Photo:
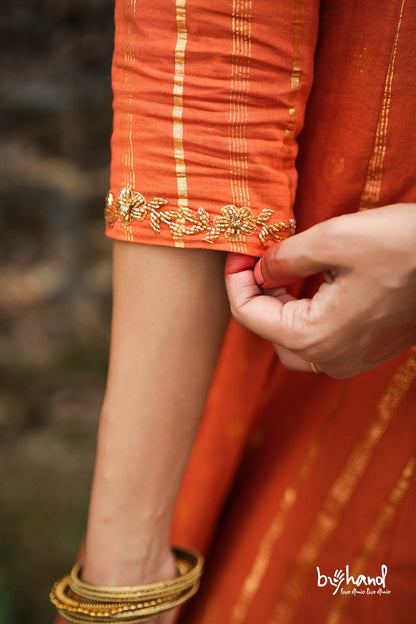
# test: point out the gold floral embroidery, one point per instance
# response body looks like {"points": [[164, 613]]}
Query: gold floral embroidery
{"points": [[233, 223]]}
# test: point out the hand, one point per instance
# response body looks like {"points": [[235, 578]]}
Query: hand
{"points": [[363, 315]]}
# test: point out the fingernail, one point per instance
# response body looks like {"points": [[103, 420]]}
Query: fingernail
{"points": [[258, 275]]}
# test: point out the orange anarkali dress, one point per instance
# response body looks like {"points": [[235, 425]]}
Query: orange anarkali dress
{"points": [[213, 102]]}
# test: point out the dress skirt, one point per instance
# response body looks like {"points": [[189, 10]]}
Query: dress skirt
{"points": [[235, 122]]}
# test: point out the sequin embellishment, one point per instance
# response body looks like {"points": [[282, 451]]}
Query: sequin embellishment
{"points": [[233, 222]]}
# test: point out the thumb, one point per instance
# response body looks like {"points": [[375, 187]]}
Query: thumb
{"points": [[296, 257]]}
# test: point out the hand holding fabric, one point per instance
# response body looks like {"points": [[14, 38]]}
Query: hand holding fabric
{"points": [[362, 315]]}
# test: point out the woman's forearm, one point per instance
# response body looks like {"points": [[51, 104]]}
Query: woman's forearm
{"points": [[170, 313]]}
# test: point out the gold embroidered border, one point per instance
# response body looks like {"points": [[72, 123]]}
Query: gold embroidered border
{"points": [[233, 223]]}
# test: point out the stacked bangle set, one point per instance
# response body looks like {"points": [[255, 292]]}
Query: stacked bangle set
{"points": [[71, 595]]}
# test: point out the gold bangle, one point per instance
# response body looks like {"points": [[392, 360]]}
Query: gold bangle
{"points": [[61, 599], [127, 603], [129, 614], [104, 593]]}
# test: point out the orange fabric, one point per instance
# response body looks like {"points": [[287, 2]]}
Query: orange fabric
{"points": [[290, 470], [208, 101]]}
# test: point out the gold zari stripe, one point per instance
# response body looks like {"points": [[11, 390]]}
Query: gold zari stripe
{"points": [[382, 521], [267, 545], [241, 18], [289, 136], [371, 193], [233, 223], [342, 489], [177, 113], [240, 82]]}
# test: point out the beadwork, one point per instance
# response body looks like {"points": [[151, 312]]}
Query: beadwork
{"points": [[233, 223]]}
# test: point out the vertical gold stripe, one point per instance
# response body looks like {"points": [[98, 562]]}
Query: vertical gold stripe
{"points": [[294, 88], [177, 114], [264, 554], [342, 489], [127, 89], [371, 193], [130, 58], [261, 562], [240, 81], [383, 519]]}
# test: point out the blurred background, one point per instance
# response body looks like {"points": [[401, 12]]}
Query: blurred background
{"points": [[55, 286]]}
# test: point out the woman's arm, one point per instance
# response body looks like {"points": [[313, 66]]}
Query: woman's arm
{"points": [[170, 312]]}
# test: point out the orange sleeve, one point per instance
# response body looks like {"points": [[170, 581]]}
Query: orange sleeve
{"points": [[209, 98]]}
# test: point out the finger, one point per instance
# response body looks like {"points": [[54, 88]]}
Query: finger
{"points": [[239, 276], [249, 305], [299, 256], [292, 361], [280, 293], [278, 319], [236, 262]]}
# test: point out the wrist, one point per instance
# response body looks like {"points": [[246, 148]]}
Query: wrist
{"points": [[152, 565]]}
